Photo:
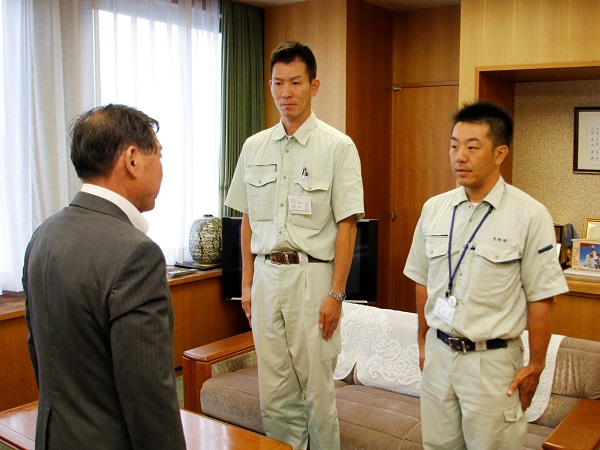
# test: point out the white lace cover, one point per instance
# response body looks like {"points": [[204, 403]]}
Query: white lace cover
{"points": [[544, 389], [382, 343]]}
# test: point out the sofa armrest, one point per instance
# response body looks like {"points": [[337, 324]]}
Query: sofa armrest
{"points": [[579, 430], [198, 362]]}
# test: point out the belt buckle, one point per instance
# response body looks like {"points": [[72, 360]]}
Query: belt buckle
{"points": [[284, 258], [277, 258], [459, 348]]}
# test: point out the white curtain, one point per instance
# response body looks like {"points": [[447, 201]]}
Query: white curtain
{"points": [[59, 58]]}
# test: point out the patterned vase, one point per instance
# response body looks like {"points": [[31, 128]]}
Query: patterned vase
{"points": [[205, 240]]}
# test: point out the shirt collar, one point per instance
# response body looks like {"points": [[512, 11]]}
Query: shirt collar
{"points": [[302, 134], [493, 197], [136, 218]]}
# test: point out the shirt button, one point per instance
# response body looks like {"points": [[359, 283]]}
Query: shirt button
{"points": [[287, 150], [280, 232], [284, 177], [281, 204]]}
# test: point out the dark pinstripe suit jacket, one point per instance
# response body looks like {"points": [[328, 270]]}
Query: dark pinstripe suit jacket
{"points": [[100, 321]]}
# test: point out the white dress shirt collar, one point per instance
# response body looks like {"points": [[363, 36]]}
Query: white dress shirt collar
{"points": [[132, 212]]}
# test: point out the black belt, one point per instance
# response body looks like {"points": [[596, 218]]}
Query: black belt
{"points": [[290, 258], [464, 345]]}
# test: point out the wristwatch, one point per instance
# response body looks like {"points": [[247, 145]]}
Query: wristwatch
{"points": [[339, 296]]}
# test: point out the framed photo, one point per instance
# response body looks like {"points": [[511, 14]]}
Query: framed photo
{"points": [[591, 228], [586, 254], [586, 153]]}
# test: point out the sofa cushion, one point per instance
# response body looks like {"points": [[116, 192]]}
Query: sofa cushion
{"points": [[372, 418], [233, 398], [536, 435], [577, 375]]}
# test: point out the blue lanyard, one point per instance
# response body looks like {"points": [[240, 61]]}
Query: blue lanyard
{"points": [[451, 274]]}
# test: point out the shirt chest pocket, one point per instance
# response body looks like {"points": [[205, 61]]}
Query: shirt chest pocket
{"points": [[261, 190], [436, 247], [497, 265], [319, 193]]}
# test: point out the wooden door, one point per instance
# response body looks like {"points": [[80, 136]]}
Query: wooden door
{"points": [[421, 141]]}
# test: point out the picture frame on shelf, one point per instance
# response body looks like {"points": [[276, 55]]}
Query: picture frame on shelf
{"points": [[586, 255], [591, 228], [586, 136]]}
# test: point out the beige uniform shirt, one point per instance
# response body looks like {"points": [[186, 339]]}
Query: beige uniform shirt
{"points": [[318, 165], [511, 260]]}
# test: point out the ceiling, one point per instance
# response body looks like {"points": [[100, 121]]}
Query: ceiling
{"points": [[394, 5]]}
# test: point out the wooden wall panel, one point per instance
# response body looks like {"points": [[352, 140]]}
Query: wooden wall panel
{"points": [[426, 45], [422, 130], [426, 66], [320, 24], [509, 32], [369, 116]]}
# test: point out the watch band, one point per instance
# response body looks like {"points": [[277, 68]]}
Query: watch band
{"points": [[339, 296]]}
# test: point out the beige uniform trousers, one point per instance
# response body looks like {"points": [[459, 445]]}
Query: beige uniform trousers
{"points": [[295, 363], [464, 404]]}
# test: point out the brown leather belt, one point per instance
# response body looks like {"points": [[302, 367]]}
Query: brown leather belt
{"points": [[290, 258]]}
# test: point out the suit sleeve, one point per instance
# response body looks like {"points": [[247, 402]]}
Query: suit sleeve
{"points": [[30, 341], [141, 336]]}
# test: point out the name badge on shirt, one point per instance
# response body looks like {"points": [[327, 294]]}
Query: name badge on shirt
{"points": [[444, 310], [299, 205]]}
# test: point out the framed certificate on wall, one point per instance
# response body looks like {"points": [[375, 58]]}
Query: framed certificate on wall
{"points": [[586, 152]]}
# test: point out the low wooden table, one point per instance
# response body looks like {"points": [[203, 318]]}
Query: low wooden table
{"points": [[17, 430]]}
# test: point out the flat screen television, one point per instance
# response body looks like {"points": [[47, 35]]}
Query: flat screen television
{"points": [[362, 281]]}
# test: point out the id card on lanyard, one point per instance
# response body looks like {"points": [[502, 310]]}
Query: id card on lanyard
{"points": [[445, 306]]}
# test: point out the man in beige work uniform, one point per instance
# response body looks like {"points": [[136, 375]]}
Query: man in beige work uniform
{"points": [[485, 263], [299, 188]]}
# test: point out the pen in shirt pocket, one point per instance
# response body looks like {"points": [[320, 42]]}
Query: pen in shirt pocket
{"points": [[303, 174]]}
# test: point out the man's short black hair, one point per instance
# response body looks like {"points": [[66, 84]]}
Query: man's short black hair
{"points": [[289, 51], [100, 135], [499, 121]]}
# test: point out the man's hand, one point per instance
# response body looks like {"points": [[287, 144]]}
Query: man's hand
{"points": [[526, 380], [421, 354], [247, 305], [539, 316], [329, 316], [421, 299]]}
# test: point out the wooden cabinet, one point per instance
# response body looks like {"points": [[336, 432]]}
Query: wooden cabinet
{"points": [[577, 313], [17, 381], [201, 314]]}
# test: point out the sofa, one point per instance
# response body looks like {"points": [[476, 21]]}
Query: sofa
{"points": [[377, 384]]}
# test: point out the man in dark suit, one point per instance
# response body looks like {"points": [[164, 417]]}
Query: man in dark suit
{"points": [[98, 307]]}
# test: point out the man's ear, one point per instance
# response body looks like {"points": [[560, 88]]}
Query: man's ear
{"points": [[501, 153], [130, 160], [314, 87]]}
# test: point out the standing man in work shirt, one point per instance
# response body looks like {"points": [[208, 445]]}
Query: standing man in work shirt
{"points": [[299, 188], [484, 260]]}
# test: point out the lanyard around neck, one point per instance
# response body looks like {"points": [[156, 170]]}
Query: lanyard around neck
{"points": [[451, 274]]}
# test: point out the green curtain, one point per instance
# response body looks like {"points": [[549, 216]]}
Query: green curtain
{"points": [[242, 86]]}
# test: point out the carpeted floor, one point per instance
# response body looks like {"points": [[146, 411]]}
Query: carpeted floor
{"points": [[179, 396]]}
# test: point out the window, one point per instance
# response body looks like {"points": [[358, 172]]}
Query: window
{"points": [[59, 58], [164, 59]]}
